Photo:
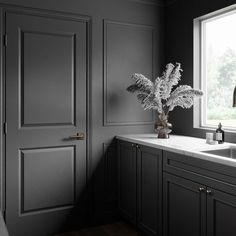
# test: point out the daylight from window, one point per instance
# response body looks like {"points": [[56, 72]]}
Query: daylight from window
{"points": [[219, 70]]}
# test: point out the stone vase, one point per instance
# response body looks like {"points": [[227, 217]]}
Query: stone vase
{"points": [[163, 127]]}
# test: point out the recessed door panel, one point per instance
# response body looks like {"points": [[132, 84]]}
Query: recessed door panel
{"points": [[47, 78], [149, 186], [47, 178], [221, 213], [127, 181], [184, 211]]}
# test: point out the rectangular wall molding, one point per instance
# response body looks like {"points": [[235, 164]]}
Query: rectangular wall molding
{"points": [[127, 49]]}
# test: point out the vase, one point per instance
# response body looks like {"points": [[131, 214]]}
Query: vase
{"points": [[163, 127]]}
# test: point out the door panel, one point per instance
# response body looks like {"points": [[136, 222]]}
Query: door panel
{"points": [[149, 187], [47, 64], [37, 192], [221, 214], [184, 207], [45, 105], [127, 180]]}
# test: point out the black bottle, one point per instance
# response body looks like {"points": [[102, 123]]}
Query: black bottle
{"points": [[220, 134]]}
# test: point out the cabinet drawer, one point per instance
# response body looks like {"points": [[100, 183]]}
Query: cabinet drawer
{"points": [[213, 174]]}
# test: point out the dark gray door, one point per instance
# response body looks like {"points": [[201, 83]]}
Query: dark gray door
{"points": [[127, 180], [45, 105], [149, 189], [184, 211], [221, 213]]}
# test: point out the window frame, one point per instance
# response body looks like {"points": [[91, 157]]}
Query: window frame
{"points": [[199, 116]]}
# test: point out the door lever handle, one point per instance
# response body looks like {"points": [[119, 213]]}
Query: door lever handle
{"points": [[78, 136]]}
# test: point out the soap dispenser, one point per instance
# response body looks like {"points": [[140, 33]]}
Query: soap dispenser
{"points": [[220, 134]]}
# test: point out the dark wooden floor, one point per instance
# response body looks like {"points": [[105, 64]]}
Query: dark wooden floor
{"points": [[115, 229]]}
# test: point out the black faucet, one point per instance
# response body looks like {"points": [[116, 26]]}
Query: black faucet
{"points": [[234, 97]]}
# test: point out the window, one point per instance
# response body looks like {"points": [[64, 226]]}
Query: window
{"points": [[215, 68]]}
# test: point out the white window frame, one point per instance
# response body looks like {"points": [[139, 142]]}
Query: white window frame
{"points": [[198, 67]]}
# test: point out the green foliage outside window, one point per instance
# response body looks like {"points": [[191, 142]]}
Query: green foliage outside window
{"points": [[221, 80]]}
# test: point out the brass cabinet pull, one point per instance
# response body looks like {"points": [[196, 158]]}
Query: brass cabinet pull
{"points": [[209, 192], [78, 136], [201, 189]]}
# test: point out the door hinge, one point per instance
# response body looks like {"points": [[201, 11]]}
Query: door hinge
{"points": [[5, 40], [5, 128]]}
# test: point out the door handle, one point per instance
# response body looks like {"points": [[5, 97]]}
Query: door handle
{"points": [[78, 136]]}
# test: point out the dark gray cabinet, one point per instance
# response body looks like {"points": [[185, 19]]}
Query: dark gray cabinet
{"points": [[140, 183], [195, 204], [184, 207], [149, 184], [186, 195], [127, 180], [221, 213]]}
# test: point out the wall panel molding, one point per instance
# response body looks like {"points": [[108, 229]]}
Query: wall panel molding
{"points": [[139, 29]]}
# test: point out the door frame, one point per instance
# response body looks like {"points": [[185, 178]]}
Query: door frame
{"points": [[8, 8]]}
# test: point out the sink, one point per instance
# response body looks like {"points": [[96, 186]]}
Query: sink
{"points": [[229, 152]]}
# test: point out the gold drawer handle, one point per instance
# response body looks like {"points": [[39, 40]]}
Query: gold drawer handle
{"points": [[202, 189]]}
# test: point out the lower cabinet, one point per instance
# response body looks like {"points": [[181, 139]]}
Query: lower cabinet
{"points": [[221, 213], [149, 184], [184, 206], [127, 199], [168, 194], [194, 209], [140, 184]]}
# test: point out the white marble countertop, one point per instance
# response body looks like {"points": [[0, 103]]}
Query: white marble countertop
{"points": [[185, 145]]}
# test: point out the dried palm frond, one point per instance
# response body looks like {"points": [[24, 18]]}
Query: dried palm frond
{"points": [[159, 95], [142, 84]]}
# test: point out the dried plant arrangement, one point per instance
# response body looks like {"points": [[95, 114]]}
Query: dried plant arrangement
{"points": [[164, 95]]}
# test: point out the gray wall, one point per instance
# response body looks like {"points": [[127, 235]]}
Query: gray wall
{"points": [[179, 48], [125, 38]]}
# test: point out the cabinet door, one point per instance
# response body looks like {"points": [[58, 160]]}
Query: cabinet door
{"points": [[221, 214], [127, 180], [184, 210], [148, 188]]}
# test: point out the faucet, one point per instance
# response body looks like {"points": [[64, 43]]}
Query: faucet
{"points": [[234, 97]]}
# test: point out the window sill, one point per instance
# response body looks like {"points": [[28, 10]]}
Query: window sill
{"points": [[210, 128]]}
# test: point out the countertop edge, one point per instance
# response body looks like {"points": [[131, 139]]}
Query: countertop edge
{"points": [[187, 152]]}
